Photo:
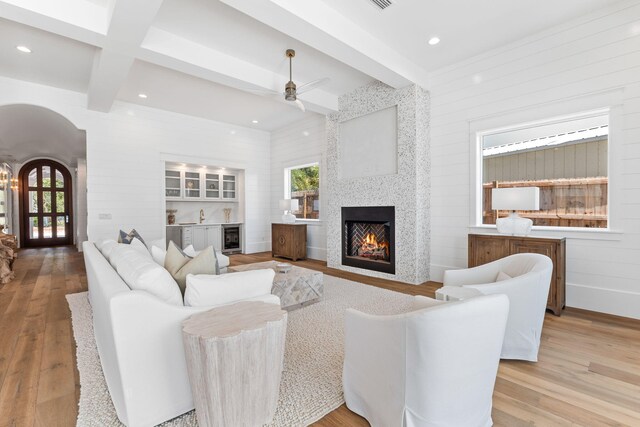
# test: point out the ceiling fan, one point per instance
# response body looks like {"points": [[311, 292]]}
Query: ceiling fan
{"points": [[291, 91]]}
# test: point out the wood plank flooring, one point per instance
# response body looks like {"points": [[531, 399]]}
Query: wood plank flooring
{"points": [[588, 373]]}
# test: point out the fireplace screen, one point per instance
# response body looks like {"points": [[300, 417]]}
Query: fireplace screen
{"points": [[368, 238]]}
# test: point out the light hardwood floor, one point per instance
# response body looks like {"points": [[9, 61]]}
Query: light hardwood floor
{"points": [[588, 373]]}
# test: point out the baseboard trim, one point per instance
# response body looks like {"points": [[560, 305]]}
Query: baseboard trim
{"points": [[437, 271], [319, 254], [609, 301], [257, 247]]}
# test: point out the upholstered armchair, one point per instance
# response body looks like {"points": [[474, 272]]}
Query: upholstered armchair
{"points": [[525, 279], [435, 366]]}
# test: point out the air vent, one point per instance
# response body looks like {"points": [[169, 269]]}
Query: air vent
{"points": [[381, 4]]}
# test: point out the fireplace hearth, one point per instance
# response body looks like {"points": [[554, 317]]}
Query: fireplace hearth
{"points": [[368, 238]]}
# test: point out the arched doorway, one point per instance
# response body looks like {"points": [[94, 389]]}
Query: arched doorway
{"points": [[45, 204]]}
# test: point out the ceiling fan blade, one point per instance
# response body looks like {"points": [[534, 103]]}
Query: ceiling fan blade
{"points": [[300, 105], [263, 91], [312, 85]]}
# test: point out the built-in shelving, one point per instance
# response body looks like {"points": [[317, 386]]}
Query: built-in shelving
{"points": [[194, 185]]}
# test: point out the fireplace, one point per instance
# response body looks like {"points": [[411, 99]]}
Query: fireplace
{"points": [[368, 238]]}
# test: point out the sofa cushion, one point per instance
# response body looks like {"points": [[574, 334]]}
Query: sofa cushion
{"points": [[211, 290], [140, 247], [160, 243], [179, 264], [119, 251], [106, 247], [140, 272]]}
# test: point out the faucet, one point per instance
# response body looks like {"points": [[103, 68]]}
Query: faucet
{"points": [[201, 216]]}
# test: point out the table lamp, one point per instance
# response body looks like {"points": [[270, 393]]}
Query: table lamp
{"points": [[515, 199], [288, 205]]}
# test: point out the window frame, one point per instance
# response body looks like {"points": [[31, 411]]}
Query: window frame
{"points": [[609, 103], [287, 186]]}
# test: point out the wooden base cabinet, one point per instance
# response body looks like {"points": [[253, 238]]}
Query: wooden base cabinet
{"points": [[484, 248], [289, 241]]}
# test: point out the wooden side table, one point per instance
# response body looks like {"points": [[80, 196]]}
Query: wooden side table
{"points": [[235, 356], [289, 241], [484, 248]]}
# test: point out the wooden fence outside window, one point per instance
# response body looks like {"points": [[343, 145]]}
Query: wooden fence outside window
{"points": [[308, 204], [575, 202]]}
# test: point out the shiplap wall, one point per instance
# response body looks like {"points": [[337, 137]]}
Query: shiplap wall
{"points": [[582, 160], [125, 153], [579, 65], [296, 144]]}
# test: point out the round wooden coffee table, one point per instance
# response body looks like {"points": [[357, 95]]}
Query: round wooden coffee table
{"points": [[235, 356]]}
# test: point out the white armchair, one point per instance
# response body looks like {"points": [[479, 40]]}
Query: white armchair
{"points": [[527, 281], [435, 366]]}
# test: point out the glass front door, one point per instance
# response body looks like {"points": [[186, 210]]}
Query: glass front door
{"points": [[45, 193]]}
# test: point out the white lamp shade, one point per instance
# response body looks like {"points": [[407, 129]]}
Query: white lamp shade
{"points": [[289, 204], [516, 199], [285, 204]]}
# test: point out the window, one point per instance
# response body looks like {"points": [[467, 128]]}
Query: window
{"points": [[566, 159], [303, 184]]}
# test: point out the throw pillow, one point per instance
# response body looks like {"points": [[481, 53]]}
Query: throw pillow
{"points": [[158, 255], [139, 246], [209, 290], [139, 272], [190, 251], [502, 276], [126, 238], [179, 264]]}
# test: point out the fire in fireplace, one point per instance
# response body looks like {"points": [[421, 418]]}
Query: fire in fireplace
{"points": [[368, 235]]}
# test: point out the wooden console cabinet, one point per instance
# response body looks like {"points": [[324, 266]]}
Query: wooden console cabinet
{"points": [[484, 248], [289, 241]]}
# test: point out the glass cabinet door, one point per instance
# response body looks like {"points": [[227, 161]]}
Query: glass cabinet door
{"points": [[192, 185], [172, 184], [228, 186], [212, 186]]}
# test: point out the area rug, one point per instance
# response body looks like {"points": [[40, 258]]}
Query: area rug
{"points": [[311, 384]]}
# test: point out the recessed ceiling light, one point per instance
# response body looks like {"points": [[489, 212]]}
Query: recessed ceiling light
{"points": [[23, 49], [434, 41], [305, 133], [233, 132], [142, 95], [254, 122]]}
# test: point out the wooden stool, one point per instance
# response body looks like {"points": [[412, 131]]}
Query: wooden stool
{"points": [[235, 356]]}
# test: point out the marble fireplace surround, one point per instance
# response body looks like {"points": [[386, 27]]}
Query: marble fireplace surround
{"points": [[408, 190]]}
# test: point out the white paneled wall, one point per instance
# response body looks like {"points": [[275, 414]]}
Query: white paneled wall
{"points": [[588, 63], [125, 152], [296, 144]]}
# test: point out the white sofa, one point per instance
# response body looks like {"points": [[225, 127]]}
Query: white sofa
{"points": [[527, 281], [139, 339], [435, 366]]}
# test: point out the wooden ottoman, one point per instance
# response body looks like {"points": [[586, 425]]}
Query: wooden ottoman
{"points": [[235, 356]]}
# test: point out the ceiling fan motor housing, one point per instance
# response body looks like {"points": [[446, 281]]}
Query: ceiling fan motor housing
{"points": [[290, 91]]}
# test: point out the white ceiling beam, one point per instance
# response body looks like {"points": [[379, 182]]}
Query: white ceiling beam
{"points": [[75, 19], [170, 51], [129, 22], [323, 28]]}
